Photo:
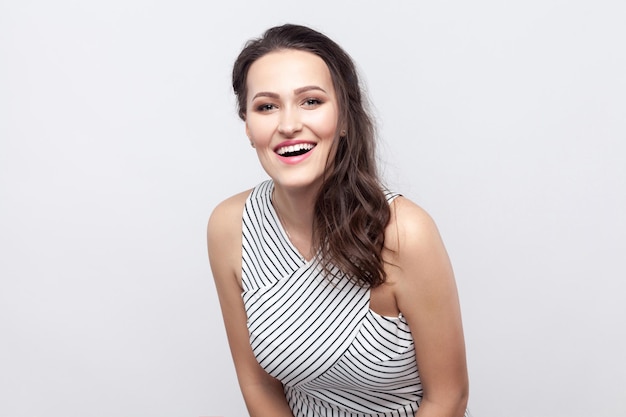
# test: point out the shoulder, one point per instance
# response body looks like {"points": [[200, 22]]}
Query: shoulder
{"points": [[224, 236], [415, 248], [410, 228], [227, 211], [225, 219], [421, 266]]}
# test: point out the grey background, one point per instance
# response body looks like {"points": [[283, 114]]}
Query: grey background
{"points": [[118, 135]]}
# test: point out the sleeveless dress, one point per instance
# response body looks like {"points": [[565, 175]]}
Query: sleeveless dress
{"points": [[334, 355]]}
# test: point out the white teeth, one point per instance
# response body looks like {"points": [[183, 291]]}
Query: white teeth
{"points": [[295, 148]]}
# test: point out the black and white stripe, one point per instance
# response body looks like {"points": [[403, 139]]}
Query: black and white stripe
{"points": [[334, 356]]}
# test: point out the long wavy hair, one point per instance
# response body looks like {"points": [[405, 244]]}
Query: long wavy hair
{"points": [[351, 210]]}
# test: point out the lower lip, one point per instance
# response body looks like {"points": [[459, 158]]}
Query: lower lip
{"points": [[293, 160]]}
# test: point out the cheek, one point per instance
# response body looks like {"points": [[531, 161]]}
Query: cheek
{"points": [[259, 129], [325, 123]]}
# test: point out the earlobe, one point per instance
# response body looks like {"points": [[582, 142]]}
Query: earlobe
{"points": [[249, 136], [343, 131]]}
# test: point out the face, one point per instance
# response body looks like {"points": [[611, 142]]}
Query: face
{"points": [[291, 116]]}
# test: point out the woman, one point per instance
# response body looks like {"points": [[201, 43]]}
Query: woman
{"points": [[330, 285]]}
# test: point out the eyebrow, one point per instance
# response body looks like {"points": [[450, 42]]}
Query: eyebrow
{"points": [[296, 91], [308, 88]]}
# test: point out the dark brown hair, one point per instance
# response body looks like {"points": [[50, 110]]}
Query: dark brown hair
{"points": [[351, 211]]}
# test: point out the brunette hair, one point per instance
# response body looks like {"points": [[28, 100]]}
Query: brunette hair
{"points": [[351, 210]]}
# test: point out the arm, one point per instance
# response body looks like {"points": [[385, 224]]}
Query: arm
{"points": [[427, 296], [262, 393]]}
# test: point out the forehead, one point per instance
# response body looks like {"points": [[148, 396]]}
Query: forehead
{"points": [[288, 69]]}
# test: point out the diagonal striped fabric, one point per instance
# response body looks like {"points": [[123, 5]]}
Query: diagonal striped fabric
{"points": [[334, 355]]}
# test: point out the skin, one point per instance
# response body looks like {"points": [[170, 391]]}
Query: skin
{"points": [[291, 99], [283, 107]]}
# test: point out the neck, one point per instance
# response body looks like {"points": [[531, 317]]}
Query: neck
{"points": [[295, 210]]}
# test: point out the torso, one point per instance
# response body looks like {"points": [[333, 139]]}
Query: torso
{"points": [[333, 344], [382, 298]]}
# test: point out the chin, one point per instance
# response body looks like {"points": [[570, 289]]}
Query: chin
{"points": [[300, 183]]}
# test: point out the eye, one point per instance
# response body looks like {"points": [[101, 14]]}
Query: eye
{"points": [[312, 102], [265, 107]]}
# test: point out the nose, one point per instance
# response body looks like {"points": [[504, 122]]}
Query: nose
{"points": [[289, 123]]}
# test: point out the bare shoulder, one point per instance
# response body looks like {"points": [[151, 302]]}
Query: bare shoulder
{"points": [[420, 259], [422, 271], [224, 237], [410, 228], [227, 213]]}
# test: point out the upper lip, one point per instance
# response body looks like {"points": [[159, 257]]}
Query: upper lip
{"points": [[291, 143]]}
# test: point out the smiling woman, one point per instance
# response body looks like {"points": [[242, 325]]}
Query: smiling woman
{"points": [[291, 117], [337, 294]]}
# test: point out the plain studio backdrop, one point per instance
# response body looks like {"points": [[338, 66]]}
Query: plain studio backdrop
{"points": [[119, 135]]}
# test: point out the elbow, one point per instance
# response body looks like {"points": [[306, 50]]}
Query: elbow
{"points": [[452, 403], [460, 400]]}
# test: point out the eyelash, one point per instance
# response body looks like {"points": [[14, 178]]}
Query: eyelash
{"points": [[313, 101], [265, 107]]}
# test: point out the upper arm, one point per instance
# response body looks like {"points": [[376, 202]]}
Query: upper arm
{"points": [[427, 296], [224, 246], [261, 391]]}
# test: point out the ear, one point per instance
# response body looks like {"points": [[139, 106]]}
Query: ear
{"points": [[249, 135], [343, 131], [344, 127], [247, 130]]}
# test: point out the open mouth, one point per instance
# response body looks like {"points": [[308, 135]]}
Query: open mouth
{"points": [[295, 150]]}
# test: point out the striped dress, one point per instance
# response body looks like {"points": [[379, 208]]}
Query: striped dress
{"points": [[334, 355]]}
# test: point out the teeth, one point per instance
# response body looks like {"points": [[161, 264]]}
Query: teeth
{"points": [[295, 148]]}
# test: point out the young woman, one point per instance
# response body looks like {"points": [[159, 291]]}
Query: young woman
{"points": [[337, 295]]}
